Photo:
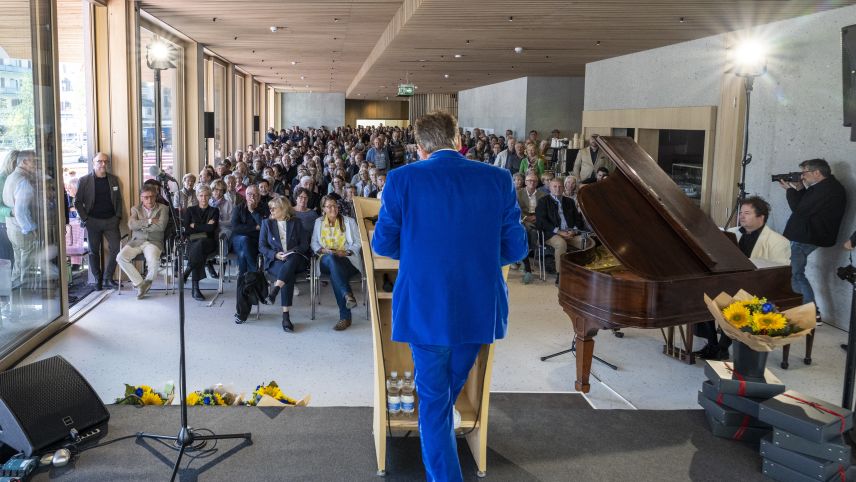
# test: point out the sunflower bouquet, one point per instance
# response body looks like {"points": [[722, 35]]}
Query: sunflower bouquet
{"points": [[207, 397], [146, 395], [757, 323], [270, 395]]}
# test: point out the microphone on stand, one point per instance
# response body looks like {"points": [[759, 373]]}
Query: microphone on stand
{"points": [[154, 171]]}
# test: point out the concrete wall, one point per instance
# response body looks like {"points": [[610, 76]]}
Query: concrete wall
{"points": [[796, 114], [497, 106], [686, 75], [554, 103], [540, 103], [313, 110]]}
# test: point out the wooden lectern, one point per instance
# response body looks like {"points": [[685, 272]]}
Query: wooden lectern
{"points": [[393, 356]]}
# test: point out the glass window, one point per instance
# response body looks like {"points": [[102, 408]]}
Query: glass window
{"points": [[240, 114], [219, 112], [30, 271], [170, 108]]}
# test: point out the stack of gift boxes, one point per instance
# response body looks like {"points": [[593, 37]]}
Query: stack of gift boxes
{"points": [[801, 437]]}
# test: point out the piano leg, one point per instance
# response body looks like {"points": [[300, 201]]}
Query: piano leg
{"points": [[585, 331]]}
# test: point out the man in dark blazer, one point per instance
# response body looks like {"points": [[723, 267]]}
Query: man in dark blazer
{"points": [[99, 205], [817, 207], [559, 226], [453, 224]]}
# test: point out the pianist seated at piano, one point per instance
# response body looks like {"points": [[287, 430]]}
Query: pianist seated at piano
{"points": [[763, 246], [556, 216]]}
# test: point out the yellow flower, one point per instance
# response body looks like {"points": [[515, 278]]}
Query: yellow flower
{"points": [[151, 398], [193, 398], [146, 388], [737, 314], [769, 321], [218, 399]]}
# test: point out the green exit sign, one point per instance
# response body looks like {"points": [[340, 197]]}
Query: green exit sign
{"points": [[405, 90]]}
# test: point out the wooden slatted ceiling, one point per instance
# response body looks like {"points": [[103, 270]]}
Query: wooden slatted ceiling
{"points": [[15, 29], [378, 42]]}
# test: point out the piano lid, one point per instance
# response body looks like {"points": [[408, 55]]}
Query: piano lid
{"points": [[649, 224]]}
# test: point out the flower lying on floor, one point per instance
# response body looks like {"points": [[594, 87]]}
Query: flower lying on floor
{"points": [[273, 391], [146, 395], [205, 397]]}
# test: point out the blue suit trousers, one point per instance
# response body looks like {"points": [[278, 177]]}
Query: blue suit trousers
{"points": [[440, 375]]}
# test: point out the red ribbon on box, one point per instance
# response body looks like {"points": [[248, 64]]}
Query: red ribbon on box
{"points": [[822, 409], [842, 474], [738, 435], [742, 389]]}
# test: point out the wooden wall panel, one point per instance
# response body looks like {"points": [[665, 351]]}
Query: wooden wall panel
{"points": [[375, 109]]}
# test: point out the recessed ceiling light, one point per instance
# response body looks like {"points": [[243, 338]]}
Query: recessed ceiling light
{"points": [[273, 28], [457, 56], [681, 19], [468, 42], [335, 19], [293, 62], [307, 86], [518, 50], [302, 77], [597, 43], [422, 60], [447, 75], [510, 19]]}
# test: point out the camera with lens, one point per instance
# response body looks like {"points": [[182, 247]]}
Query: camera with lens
{"points": [[847, 273], [788, 177]]}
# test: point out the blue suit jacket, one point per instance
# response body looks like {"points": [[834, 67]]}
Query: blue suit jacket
{"points": [[270, 242], [453, 224]]}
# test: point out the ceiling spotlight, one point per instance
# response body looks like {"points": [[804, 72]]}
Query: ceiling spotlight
{"points": [[457, 56], [422, 60], [302, 77], [214, 19], [293, 62], [518, 50], [335, 19], [468, 42], [446, 75], [681, 19], [274, 28], [510, 19], [597, 43], [236, 37], [307, 86]]}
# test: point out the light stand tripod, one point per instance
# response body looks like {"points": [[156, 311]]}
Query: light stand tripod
{"points": [[186, 436], [573, 350]]}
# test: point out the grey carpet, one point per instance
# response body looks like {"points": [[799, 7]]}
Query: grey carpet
{"points": [[550, 437]]}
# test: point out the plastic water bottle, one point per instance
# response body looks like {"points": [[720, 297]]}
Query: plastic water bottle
{"points": [[393, 390], [407, 398]]}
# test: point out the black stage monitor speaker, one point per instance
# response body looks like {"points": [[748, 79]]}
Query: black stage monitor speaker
{"points": [[255, 123], [209, 125], [848, 69], [41, 402]]}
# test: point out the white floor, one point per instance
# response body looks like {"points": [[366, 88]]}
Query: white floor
{"points": [[125, 340]]}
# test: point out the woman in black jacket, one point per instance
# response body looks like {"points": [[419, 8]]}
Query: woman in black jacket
{"points": [[286, 252], [200, 225]]}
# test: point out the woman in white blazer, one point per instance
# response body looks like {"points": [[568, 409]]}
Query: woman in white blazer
{"points": [[336, 241]]}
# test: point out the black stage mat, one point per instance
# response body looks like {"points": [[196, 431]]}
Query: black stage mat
{"points": [[532, 437]]}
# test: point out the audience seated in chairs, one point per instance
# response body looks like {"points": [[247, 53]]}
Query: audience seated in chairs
{"points": [[147, 223], [285, 251], [247, 220], [527, 199], [559, 226], [219, 201], [200, 225], [336, 241], [186, 196]]}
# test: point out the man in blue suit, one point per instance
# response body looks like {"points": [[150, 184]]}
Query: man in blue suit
{"points": [[453, 224]]}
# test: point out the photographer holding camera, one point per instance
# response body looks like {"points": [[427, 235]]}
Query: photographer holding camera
{"points": [[817, 208]]}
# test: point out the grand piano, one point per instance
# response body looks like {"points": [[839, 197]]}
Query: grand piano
{"points": [[663, 255]]}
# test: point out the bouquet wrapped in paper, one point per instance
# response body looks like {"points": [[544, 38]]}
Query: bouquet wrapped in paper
{"points": [[270, 395], [146, 395], [757, 323]]}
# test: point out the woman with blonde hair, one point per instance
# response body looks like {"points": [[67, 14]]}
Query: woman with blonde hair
{"points": [[286, 252]]}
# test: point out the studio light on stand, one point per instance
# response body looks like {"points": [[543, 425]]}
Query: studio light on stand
{"points": [[750, 61], [160, 56]]}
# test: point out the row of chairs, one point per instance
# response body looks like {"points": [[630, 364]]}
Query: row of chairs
{"points": [[169, 258]]}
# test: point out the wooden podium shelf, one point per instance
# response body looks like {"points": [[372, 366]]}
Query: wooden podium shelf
{"points": [[390, 355]]}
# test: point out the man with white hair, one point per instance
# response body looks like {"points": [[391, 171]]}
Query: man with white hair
{"points": [[308, 182]]}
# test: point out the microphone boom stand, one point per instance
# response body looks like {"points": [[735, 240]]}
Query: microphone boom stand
{"points": [[186, 436]]}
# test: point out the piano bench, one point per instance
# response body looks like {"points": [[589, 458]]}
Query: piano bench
{"points": [[786, 351]]}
